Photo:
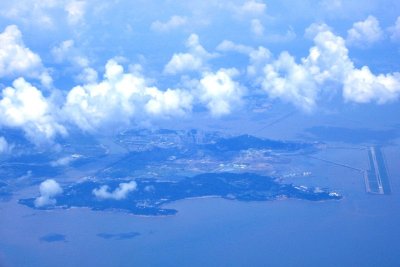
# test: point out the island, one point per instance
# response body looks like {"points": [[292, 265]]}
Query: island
{"points": [[151, 195]]}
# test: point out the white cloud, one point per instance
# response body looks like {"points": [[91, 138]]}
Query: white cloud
{"points": [[29, 12], [229, 46], [362, 86], [327, 63], [302, 83], [75, 11], [258, 58], [16, 59], [110, 102], [119, 99], [316, 28], [5, 148], [364, 33], [256, 27], [62, 51], [24, 106], [193, 60], [44, 13], [251, 8], [219, 92], [49, 189], [170, 102], [290, 81], [173, 23], [183, 62], [88, 75], [66, 51], [119, 193], [48, 14], [328, 59], [395, 31], [254, 7]]}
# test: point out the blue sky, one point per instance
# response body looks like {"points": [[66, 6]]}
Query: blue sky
{"points": [[95, 65]]}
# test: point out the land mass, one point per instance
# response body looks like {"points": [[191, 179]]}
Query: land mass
{"points": [[152, 195]]}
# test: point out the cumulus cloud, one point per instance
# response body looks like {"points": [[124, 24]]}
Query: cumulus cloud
{"points": [[24, 106], [328, 59], [364, 33], [193, 60], [290, 81], [219, 92], [120, 98], [362, 86], [173, 23], [117, 101], [327, 63], [49, 189], [121, 192], [170, 102], [16, 59], [395, 31]]}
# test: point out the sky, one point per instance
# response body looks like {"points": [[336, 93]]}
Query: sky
{"points": [[97, 66]]}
